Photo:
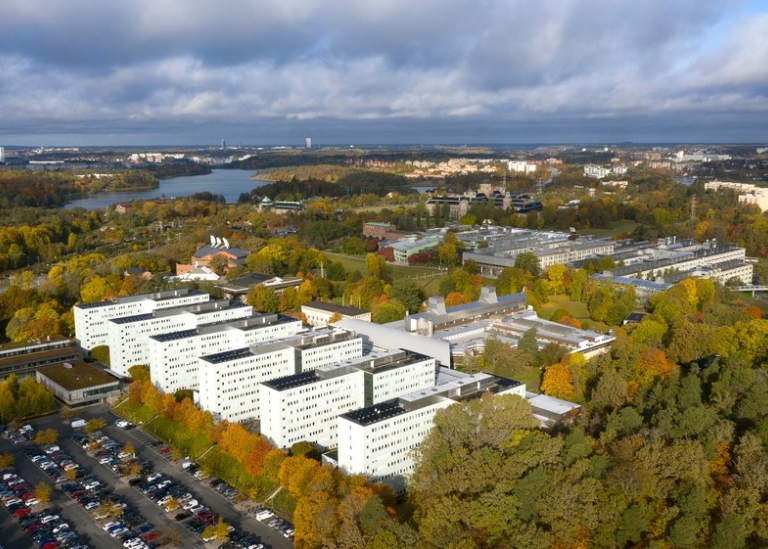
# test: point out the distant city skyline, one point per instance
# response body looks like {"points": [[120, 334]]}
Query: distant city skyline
{"points": [[272, 72]]}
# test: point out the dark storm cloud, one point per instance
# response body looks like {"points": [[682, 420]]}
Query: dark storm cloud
{"points": [[432, 68]]}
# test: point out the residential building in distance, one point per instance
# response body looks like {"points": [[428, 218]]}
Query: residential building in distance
{"points": [[238, 288], [320, 313], [377, 441], [376, 229], [406, 247], [551, 248], [748, 193], [91, 318], [305, 406], [219, 247], [672, 260]]}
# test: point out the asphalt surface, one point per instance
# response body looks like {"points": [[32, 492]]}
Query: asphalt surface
{"points": [[12, 536]]}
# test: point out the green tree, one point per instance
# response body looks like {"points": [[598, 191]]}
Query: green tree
{"points": [[529, 263], [263, 299], [139, 373], [511, 280]]}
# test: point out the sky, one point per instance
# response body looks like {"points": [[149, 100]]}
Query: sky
{"points": [[270, 72]]}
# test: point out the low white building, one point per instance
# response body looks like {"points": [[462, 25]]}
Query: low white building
{"points": [[320, 313], [378, 441], [304, 407], [91, 318]]}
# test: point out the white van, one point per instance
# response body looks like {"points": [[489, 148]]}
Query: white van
{"points": [[264, 514]]}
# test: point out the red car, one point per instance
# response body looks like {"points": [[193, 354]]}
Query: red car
{"points": [[149, 536], [21, 512], [163, 450], [50, 545]]}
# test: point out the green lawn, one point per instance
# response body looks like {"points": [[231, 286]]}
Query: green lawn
{"points": [[619, 227], [426, 277], [575, 309], [531, 376]]}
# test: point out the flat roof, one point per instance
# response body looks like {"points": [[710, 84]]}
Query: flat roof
{"points": [[182, 334], [153, 296], [334, 308], [227, 356], [77, 374], [374, 414], [289, 382]]}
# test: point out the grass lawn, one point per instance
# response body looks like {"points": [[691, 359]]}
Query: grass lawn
{"points": [[426, 277], [619, 227], [531, 376], [575, 309]]}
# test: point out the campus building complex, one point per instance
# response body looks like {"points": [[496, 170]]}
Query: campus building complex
{"points": [[305, 406], [173, 357], [127, 336], [229, 381]]}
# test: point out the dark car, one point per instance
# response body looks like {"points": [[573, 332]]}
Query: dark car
{"points": [[183, 515]]}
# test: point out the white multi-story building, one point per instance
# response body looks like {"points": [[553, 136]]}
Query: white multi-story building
{"points": [[91, 318], [174, 356], [228, 381], [304, 407], [128, 336], [521, 166], [377, 441]]}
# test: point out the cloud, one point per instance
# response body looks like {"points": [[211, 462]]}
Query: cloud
{"points": [[74, 66]]}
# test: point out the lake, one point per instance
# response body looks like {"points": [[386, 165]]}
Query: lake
{"points": [[230, 183]]}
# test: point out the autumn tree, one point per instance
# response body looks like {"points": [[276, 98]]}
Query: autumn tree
{"points": [[46, 437], [95, 424], [43, 492], [6, 460], [557, 381]]}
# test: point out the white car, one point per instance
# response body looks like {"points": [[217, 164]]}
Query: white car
{"points": [[190, 504], [48, 518], [109, 525]]}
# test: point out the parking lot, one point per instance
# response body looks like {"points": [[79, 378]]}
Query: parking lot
{"points": [[202, 491]]}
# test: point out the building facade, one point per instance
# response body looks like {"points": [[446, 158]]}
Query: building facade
{"points": [[91, 318], [377, 441], [304, 407]]}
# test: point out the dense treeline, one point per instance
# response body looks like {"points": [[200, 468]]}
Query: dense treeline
{"points": [[352, 183], [50, 189], [20, 188], [167, 170], [20, 399]]}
